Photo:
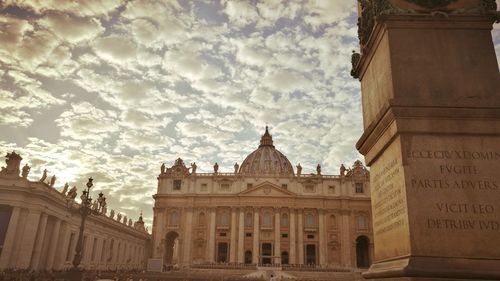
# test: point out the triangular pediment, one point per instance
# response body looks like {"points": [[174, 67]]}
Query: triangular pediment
{"points": [[267, 189]]}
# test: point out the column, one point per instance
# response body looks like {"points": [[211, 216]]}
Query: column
{"points": [[256, 231], [10, 236], [39, 240], [277, 236], [28, 239], [54, 244], [232, 246], [61, 252], [187, 236], [345, 234], [293, 239], [300, 237], [99, 250], [211, 237], [158, 232], [241, 236], [321, 237]]}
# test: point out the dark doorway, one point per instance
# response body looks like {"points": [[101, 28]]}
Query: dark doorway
{"points": [[266, 253], [284, 257], [170, 244], [222, 249], [362, 254], [248, 257], [310, 254]]}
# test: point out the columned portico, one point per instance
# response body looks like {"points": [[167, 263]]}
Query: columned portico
{"points": [[293, 239], [300, 236], [277, 236], [241, 235], [232, 245], [256, 241]]}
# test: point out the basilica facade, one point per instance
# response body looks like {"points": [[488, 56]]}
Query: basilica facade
{"points": [[264, 212]]}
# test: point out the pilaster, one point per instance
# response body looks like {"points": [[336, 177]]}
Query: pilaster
{"points": [[256, 232], [232, 245], [293, 239]]}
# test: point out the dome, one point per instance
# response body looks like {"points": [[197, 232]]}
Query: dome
{"points": [[266, 160]]}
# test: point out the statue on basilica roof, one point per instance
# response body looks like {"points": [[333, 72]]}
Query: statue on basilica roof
{"points": [[236, 167], [216, 168], [318, 169], [299, 170], [44, 176], [65, 189], [53, 181], [342, 170], [193, 168], [26, 171], [13, 161], [162, 168]]}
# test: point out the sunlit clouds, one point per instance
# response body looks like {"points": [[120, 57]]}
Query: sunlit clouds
{"points": [[113, 89]]}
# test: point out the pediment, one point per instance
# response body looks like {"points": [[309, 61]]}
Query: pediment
{"points": [[267, 189]]}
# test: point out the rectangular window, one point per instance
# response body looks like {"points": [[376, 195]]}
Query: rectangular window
{"points": [[224, 186], [331, 189], [359, 187], [309, 188], [284, 235], [204, 187], [177, 184], [222, 234], [248, 234], [310, 236], [70, 246], [284, 186], [249, 185]]}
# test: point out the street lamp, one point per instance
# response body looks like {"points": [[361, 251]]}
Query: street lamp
{"points": [[86, 208]]}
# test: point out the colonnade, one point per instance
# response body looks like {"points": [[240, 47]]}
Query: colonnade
{"points": [[294, 242], [38, 240]]}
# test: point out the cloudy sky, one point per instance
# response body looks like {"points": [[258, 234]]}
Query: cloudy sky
{"points": [[111, 89]]}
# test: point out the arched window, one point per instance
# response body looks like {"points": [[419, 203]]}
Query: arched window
{"points": [[333, 221], [248, 219], [310, 220], [173, 218], [284, 220], [201, 219], [267, 220]]}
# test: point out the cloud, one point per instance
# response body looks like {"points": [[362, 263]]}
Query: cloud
{"points": [[70, 28], [115, 49]]}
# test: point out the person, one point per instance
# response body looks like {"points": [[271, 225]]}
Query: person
{"points": [[273, 278]]}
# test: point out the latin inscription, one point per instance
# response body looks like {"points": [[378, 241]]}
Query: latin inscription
{"points": [[390, 208], [458, 170]]}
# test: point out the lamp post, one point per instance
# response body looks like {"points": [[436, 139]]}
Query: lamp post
{"points": [[86, 208]]}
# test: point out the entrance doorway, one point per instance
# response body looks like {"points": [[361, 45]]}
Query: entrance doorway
{"points": [[310, 254], [266, 253], [171, 245], [222, 250], [248, 257], [362, 253], [284, 257]]}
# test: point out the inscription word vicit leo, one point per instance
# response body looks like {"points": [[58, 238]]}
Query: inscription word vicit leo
{"points": [[467, 180]]}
